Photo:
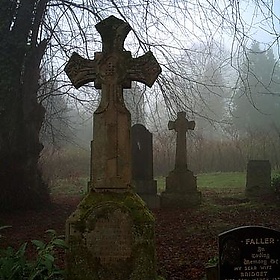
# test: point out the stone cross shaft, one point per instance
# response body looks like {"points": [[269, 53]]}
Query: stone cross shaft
{"points": [[181, 125], [112, 70]]}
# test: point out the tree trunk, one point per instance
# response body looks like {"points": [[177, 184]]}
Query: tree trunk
{"points": [[21, 117]]}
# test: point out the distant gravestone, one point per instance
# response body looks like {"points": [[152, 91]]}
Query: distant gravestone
{"points": [[142, 165], [249, 253], [111, 234], [181, 187], [258, 178]]}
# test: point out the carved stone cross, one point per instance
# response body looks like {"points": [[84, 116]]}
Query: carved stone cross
{"points": [[181, 125], [112, 70]]}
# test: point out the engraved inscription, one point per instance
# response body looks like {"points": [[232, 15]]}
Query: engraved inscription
{"points": [[258, 257], [259, 263], [111, 238]]}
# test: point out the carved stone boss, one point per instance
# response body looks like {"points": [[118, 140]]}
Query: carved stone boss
{"points": [[112, 70], [181, 125]]}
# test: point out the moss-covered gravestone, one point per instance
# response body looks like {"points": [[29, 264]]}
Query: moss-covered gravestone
{"points": [[111, 234]]}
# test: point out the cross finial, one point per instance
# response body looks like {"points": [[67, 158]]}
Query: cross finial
{"points": [[113, 32], [181, 125]]}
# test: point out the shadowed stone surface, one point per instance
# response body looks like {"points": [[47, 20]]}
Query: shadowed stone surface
{"points": [[111, 234], [142, 165], [181, 187], [258, 178]]}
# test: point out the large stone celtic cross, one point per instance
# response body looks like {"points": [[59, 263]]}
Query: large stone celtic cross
{"points": [[181, 125], [112, 70]]}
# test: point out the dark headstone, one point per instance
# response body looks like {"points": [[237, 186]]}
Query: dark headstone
{"points": [[142, 165], [249, 253], [258, 178], [142, 153]]}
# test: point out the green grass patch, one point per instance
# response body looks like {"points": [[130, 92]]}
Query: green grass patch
{"points": [[219, 180], [231, 183], [222, 180], [160, 184]]}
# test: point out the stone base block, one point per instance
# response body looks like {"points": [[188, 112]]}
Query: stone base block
{"points": [[180, 200], [111, 237], [257, 193], [181, 181]]}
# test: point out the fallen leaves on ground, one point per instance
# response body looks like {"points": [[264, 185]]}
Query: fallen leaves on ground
{"points": [[185, 238]]}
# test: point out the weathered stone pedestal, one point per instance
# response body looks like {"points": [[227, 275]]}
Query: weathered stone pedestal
{"points": [[181, 190], [111, 237]]}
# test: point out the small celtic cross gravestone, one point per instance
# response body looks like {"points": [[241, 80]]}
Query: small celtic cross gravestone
{"points": [[181, 125], [112, 70], [180, 185]]}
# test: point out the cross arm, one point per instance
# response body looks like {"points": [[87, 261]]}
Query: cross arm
{"points": [[191, 125], [171, 125], [80, 70], [144, 69]]}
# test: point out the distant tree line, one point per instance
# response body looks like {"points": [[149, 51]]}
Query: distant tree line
{"points": [[234, 128]]}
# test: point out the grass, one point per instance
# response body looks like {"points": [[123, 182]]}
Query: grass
{"points": [[219, 180], [227, 188], [223, 181], [160, 184]]}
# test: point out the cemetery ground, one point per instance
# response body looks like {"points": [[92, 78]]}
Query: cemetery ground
{"points": [[186, 239]]}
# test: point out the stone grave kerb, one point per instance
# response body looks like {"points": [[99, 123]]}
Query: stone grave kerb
{"points": [[112, 70]]}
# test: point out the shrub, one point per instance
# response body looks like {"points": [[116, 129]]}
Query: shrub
{"points": [[212, 261], [15, 266]]}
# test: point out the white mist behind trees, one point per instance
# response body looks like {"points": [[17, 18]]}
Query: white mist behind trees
{"points": [[230, 129], [202, 47]]}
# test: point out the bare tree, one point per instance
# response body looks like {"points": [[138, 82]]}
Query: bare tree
{"points": [[39, 34]]}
